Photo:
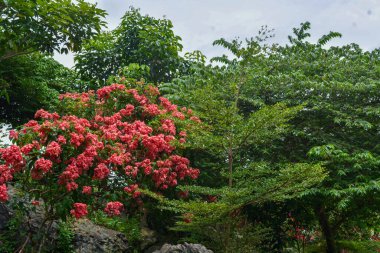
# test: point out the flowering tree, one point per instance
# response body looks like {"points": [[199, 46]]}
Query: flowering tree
{"points": [[98, 150]]}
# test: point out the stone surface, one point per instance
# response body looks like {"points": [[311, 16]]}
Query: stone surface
{"points": [[89, 237], [4, 216], [148, 238], [183, 248]]}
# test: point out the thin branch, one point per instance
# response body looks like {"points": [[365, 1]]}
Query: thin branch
{"points": [[13, 54]]}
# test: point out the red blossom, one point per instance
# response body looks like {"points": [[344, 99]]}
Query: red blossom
{"points": [[136, 194], [12, 156], [41, 166], [71, 186], [152, 109], [53, 149], [131, 188], [101, 172], [127, 111], [167, 104], [35, 203], [87, 190], [45, 115], [113, 208], [27, 148], [13, 134], [61, 139], [3, 193], [104, 92], [76, 139], [178, 115], [168, 126], [6, 174], [195, 119], [80, 210]]}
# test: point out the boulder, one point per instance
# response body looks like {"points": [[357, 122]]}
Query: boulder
{"points": [[183, 248], [89, 237]]}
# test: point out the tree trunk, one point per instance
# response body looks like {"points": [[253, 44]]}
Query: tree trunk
{"points": [[326, 229]]}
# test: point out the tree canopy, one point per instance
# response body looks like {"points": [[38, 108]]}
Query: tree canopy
{"points": [[46, 26], [140, 39]]}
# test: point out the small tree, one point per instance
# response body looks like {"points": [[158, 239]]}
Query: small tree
{"points": [[98, 151], [233, 177]]}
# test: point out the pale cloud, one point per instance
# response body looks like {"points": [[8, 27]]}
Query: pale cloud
{"points": [[200, 22]]}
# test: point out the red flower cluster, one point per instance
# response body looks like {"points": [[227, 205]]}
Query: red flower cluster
{"points": [[128, 135], [41, 166], [12, 157], [113, 208], [87, 190], [79, 210], [53, 149], [105, 91], [5, 174], [3, 193], [132, 189], [80, 97], [101, 172]]}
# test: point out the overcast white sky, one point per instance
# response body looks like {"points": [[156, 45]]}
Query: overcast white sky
{"points": [[200, 22]]}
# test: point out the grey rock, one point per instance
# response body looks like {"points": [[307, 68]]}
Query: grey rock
{"points": [[148, 238], [183, 248], [5, 215], [89, 237]]}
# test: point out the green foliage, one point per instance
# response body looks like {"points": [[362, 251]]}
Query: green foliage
{"points": [[8, 243], [236, 128], [32, 81], [349, 246], [138, 39], [29, 80], [129, 226], [339, 124], [65, 238], [130, 74], [18, 228], [58, 25]]}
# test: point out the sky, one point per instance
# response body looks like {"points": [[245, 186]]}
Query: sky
{"points": [[200, 22]]}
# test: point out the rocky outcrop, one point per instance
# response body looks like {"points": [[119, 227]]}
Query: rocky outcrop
{"points": [[89, 237], [183, 248]]}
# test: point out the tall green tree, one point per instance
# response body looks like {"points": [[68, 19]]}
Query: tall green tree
{"points": [[339, 125], [225, 149], [138, 39]]}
